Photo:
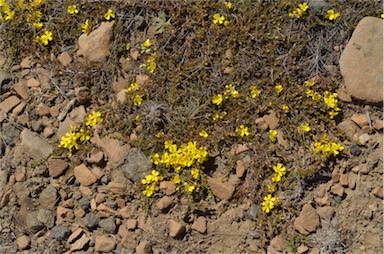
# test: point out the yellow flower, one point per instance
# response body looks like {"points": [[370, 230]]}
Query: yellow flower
{"points": [[272, 135], [159, 134], [242, 131], [305, 127], [85, 26], [149, 190], [228, 5], [137, 100], [276, 178], [271, 188], [93, 119], [38, 25], [279, 88], [217, 18], [72, 9], [109, 15], [155, 159], [69, 141], [304, 6], [203, 134], [217, 99], [332, 15], [314, 95], [331, 99], [254, 91], [382, 16], [83, 135], [45, 38], [332, 114], [285, 108], [151, 64], [195, 173], [188, 187], [310, 83], [268, 204], [133, 87], [176, 179], [147, 43], [10, 15], [280, 169]]}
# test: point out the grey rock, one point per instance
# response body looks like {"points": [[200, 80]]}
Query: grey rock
{"points": [[60, 233], [90, 220], [252, 212], [33, 223], [108, 225], [37, 126], [84, 203], [46, 217], [48, 197], [12, 134], [136, 165], [354, 149]]}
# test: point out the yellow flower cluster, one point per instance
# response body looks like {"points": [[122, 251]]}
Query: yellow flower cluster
{"points": [[180, 159], [85, 26], [6, 9], [269, 203], [254, 91], [145, 46], [242, 131], [272, 135], [230, 91], [299, 11], [151, 64], [219, 115], [304, 128], [331, 101], [137, 98], [228, 5], [220, 19], [314, 95], [327, 148], [332, 15], [109, 15], [72, 9], [79, 134]]}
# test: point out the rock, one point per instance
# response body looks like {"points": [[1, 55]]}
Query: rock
{"points": [[319, 7], [176, 229], [96, 157], [131, 224], [200, 225], [361, 63], [260, 122], [9, 103], [136, 165], [75, 235], [271, 120], [82, 94], [22, 90], [164, 203], [241, 148], [60, 233], [48, 132], [378, 192], [119, 84], [104, 208], [354, 149], [378, 124], [348, 128], [363, 139], [90, 221], [351, 181], [302, 249], [12, 134], [95, 46], [222, 190], [48, 197], [80, 243], [277, 245], [168, 187], [344, 180], [325, 212], [144, 247], [112, 148], [64, 58], [253, 212], [308, 220], [364, 169], [142, 79], [84, 175], [108, 225], [23, 242], [343, 95], [240, 168], [63, 214], [360, 119], [33, 146], [19, 108], [26, 63], [32, 222], [42, 109], [47, 217], [337, 189], [56, 167], [146, 224], [104, 243], [121, 96], [32, 82], [125, 212]]}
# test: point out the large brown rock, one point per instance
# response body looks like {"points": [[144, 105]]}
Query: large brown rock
{"points": [[361, 63], [308, 221], [95, 46]]}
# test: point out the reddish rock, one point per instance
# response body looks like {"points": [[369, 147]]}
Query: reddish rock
{"points": [[344, 180], [56, 167], [302, 249], [95, 46], [364, 169], [119, 84], [85, 191], [240, 168], [142, 79], [144, 247], [104, 243], [23, 242], [55, 110], [200, 225], [241, 148], [22, 90], [272, 120], [75, 235], [115, 152], [96, 157], [32, 82], [361, 63], [104, 208], [308, 220], [80, 243], [26, 63], [19, 108], [121, 96], [260, 122], [378, 192], [33, 146], [9, 103], [338, 190], [352, 181], [378, 124], [360, 119], [100, 198], [277, 245], [42, 109], [84, 175], [48, 132], [125, 212], [164, 203], [168, 187], [64, 58], [326, 212], [222, 190], [176, 229], [131, 224]]}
